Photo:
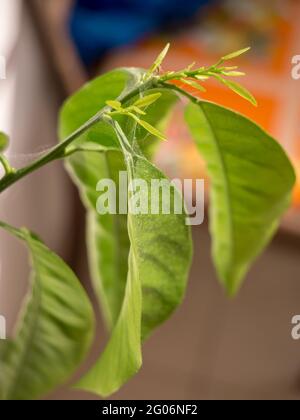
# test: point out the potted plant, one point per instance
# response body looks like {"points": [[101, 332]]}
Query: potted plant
{"points": [[139, 260]]}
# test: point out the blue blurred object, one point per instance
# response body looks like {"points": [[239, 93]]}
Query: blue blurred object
{"points": [[100, 25]]}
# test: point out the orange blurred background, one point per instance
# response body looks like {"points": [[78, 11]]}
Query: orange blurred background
{"points": [[272, 29]]}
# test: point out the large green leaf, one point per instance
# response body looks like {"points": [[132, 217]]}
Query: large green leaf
{"points": [[134, 263], [91, 99], [122, 357], [159, 261], [251, 184], [56, 330], [107, 236]]}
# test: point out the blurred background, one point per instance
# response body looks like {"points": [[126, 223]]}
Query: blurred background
{"points": [[213, 348]]}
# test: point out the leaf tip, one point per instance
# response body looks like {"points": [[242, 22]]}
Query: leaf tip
{"points": [[235, 54]]}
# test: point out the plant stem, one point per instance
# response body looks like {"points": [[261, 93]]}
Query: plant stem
{"points": [[190, 74], [178, 90], [58, 152], [6, 166]]}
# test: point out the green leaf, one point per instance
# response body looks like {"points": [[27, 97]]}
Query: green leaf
{"points": [[136, 110], [229, 68], [190, 67], [152, 130], [148, 127], [114, 104], [4, 140], [108, 238], [147, 100], [235, 54], [157, 116], [251, 184], [158, 62], [122, 357], [239, 89], [159, 262], [193, 84], [234, 73], [201, 77], [55, 333], [92, 98]]}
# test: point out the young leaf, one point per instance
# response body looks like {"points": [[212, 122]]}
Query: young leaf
{"points": [[193, 84], [148, 127], [238, 89], [157, 116], [242, 91], [158, 62], [56, 332], [200, 77], [136, 110], [190, 67], [147, 100], [251, 184], [234, 73], [151, 129], [114, 105], [229, 68], [235, 54], [4, 140]]}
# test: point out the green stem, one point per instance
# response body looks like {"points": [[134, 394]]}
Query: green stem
{"points": [[6, 166], [58, 152], [190, 74], [178, 90]]}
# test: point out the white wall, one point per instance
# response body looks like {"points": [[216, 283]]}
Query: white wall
{"points": [[29, 104]]}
